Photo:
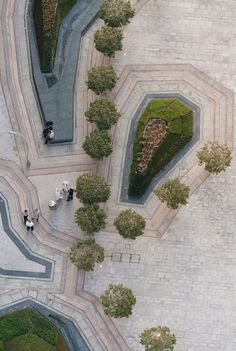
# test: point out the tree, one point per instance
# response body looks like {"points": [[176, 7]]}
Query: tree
{"points": [[92, 188], [157, 339], [118, 301], [130, 224], [101, 79], [103, 112], [173, 192], [108, 40], [116, 13], [216, 157], [86, 253], [90, 218], [98, 145]]}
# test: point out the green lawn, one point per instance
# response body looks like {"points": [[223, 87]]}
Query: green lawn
{"points": [[27, 330], [179, 118], [47, 41], [28, 342]]}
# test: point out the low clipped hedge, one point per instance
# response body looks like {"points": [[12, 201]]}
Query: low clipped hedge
{"points": [[27, 321], [179, 118]]}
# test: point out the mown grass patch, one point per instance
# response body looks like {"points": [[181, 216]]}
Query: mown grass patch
{"points": [[179, 118], [29, 326]]}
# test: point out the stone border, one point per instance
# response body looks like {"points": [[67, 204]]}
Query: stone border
{"points": [[72, 336], [24, 250], [124, 197], [55, 92]]}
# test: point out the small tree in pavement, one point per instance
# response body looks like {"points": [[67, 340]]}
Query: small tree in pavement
{"points": [[108, 40], [103, 112], [158, 339], [90, 218], [116, 13], [118, 301], [130, 224], [92, 188], [215, 156], [86, 254], [101, 79], [173, 192], [98, 144]]}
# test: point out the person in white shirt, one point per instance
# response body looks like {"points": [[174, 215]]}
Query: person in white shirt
{"points": [[30, 224]]}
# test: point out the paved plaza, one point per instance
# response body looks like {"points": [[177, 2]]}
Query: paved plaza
{"points": [[183, 270]]}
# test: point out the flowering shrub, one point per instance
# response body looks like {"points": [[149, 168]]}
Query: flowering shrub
{"points": [[49, 14]]}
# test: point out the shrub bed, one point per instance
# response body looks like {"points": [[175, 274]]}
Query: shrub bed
{"points": [[18, 326], [179, 119], [48, 15]]}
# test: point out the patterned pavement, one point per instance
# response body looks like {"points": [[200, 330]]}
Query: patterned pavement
{"points": [[186, 279]]}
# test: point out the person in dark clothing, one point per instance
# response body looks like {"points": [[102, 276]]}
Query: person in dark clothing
{"points": [[45, 132], [70, 194], [49, 136]]}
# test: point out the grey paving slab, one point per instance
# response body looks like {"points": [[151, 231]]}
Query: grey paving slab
{"points": [[7, 143], [185, 280]]}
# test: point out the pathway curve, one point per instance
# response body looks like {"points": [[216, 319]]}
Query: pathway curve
{"points": [[185, 279]]}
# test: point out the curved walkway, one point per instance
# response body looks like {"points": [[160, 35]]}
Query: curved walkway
{"points": [[184, 279]]}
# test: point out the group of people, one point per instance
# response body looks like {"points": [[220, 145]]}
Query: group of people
{"points": [[48, 132], [29, 222], [67, 190]]}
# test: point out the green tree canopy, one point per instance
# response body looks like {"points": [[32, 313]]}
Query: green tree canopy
{"points": [[216, 157], [86, 253], [92, 188], [103, 112], [118, 301], [116, 13], [158, 339], [108, 40], [101, 79], [173, 192], [90, 218], [130, 224], [98, 145]]}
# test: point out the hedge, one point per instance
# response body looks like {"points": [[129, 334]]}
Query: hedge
{"points": [[180, 121], [47, 36]]}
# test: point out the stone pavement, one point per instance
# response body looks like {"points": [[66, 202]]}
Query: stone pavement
{"points": [[184, 279]]}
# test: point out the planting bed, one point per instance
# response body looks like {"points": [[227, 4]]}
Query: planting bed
{"points": [[27, 330], [48, 15], [164, 128]]}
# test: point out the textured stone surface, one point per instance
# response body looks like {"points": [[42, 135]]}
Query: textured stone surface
{"points": [[186, 279]]}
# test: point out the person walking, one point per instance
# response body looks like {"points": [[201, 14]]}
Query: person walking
{"points": [[25, 215], [36, 214], [70, 194], [30, 224]]}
